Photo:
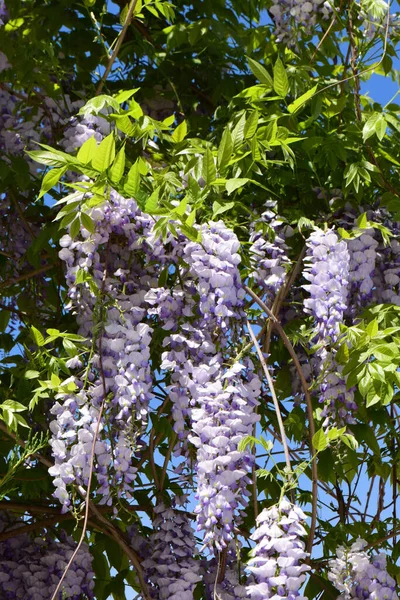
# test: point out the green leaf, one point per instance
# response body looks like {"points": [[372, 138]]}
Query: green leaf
{"points": [[37, 336], [180, 132], [51, 179], [320, 441], [75, 228], [87, 222], [13, 406], [191, 218], [104, 153], [281, 82], [218, 208], [374, 393], [31, 374], [260, 72], [372, 328], [386, 352], [238, 132], [234, 184], [96, 104], [181, 208], [117, 168], [152, 202], [298, 103], [87, 150], [132, 182], [125, 95], [225, 149], [375, 124], [50, 159], [362, 221], [251, 125], [209, 172]]}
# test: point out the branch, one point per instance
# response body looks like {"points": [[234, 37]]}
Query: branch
{"points": [[117, 46], [274, 398], [314, 470], [25, 276]]}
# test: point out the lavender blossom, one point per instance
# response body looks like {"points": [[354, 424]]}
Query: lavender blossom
{"points": [[362, 252], [219, 402], [277, 560], [291, 15], [172, 568], [357, 576], [327, 270], [30, 568], [269, 259], [120, 368]]}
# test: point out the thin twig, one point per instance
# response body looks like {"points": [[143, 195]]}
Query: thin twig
{"points": [[23, 444], [323, 37], [166, 461], [25, 276], [273, 395], [13, 310], [314, 470], [117, 46]]}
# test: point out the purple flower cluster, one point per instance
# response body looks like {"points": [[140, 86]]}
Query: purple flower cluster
{"points": [[269, 259], [79, 130], [120, 367], [3, 12], [30, 568], [327, 270], [172, 568], [338, 400], [362, 252], [219, 402], [225, 415], [357, 576], [277, 561], [290, 15]]}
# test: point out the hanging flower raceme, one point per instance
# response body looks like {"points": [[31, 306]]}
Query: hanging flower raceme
{"points": [[30, 568], [269, 259], [227, 402], [277, 561], [362, 252], [291, 15], [223, 401], [120, 264], [357, 576], [172, 568], [327, 270]]}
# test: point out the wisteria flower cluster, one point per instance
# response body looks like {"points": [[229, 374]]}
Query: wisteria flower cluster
{"points": [[120, 367], [327, 269], [30, 568], [277, 561], [356, 575], [220, 403], [172, 570], [270, 259], [290, 15]]}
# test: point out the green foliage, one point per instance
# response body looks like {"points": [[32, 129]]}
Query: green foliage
{"points": [[223, 119]]}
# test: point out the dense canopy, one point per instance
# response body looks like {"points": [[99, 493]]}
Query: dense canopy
{"points": [[200, 311]]}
